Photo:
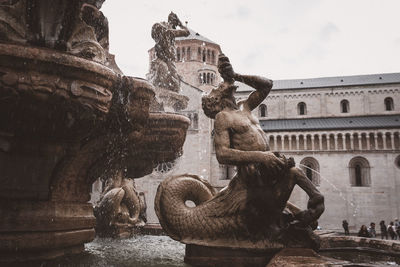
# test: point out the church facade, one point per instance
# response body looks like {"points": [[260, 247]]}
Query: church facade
{"points": [[342, 131]]}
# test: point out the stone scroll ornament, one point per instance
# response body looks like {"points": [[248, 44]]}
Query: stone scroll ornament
{"points": [[253, 211]]}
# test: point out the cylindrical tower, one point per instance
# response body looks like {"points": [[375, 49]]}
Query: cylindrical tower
{"points": [[196, 60]]}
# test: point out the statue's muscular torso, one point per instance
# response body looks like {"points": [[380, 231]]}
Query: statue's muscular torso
{"points": [[245, 131]]}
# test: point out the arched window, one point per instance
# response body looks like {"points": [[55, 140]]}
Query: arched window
{"points": [[212, 57], [178, 54], [389, 104], [204, 55], [208, 56], [344, 106], [189, 54], [262, 110], [212, 78], [359, 172], [198, 53], [302, 108], [310, 167], [208, 78], [397, 161], [204, 77], [183, 53], [200, 78]]}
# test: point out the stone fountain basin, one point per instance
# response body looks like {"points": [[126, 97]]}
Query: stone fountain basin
{"points": [[162, 141], [50, 93]]}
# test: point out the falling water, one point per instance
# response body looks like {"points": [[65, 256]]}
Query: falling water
{"points": [[139, 251], [352, 204]]}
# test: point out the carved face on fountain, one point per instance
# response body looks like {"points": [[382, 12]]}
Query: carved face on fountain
{"points": [[218, 99]]}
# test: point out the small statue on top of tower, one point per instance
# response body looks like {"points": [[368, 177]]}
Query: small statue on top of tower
{"points": [[163, 73]]}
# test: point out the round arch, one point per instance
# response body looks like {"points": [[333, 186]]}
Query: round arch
{"points": [[310, 167], [359, 169]]}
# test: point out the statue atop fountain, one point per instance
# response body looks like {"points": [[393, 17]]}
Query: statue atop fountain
{"points": [[253, 211], [163, 74]]}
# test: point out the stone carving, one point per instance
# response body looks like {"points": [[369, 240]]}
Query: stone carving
{"points": [[120, 207], [163, 74], [253, 210], [74, 26]]}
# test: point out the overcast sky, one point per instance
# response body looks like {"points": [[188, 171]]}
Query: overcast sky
{"points": [[279, 39]]}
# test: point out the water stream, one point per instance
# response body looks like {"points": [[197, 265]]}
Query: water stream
{"points": [[340, 192]]}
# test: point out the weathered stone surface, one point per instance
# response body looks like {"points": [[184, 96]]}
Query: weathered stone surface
{"points": [[333, 242]]}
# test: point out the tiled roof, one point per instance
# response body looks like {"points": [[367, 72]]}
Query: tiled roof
{"points": [[196, 36], [337, 123], [370, 79]]}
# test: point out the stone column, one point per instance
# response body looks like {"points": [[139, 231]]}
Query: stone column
{"points": [[275, 142], [312, 143], [320, 141], [344, 142], [328, 142], [368, 142], [290, 142], [359, 141], [297, 143], [391, 140], [352, 141], [376, 141], [283, 142], [305, 143], [335, 137], [384, 141]]}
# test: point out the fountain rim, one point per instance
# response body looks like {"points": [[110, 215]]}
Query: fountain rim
{"points": [[51, 56]]}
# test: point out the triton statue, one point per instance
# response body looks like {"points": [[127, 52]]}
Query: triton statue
{"points": [[253, 210]]}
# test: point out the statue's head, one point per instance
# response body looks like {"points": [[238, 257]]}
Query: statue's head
{"points": [[173, 19], [218, 99]]}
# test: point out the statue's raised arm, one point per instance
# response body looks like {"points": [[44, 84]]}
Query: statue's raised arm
{"points": [[262, 85]]}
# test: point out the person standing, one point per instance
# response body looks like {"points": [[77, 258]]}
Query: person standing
{"points": [[384, 232], [391, 231], [345, 225], [371, 230], [397, 227], [363, 231]]}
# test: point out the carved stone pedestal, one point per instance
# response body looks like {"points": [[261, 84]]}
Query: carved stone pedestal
{"points": [[33, 230]]}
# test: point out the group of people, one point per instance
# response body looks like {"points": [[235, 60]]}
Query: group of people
{"points": [[392, 230]]}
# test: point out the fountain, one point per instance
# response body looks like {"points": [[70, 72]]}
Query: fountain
{"points": [[68, 115]]}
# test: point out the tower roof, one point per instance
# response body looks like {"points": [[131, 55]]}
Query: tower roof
{"points": [[195, 36]]}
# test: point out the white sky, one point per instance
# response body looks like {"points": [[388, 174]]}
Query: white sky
{"points": [[279, 39]]}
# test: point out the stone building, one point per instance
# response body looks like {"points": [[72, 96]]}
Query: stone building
{"points": [[342, 131]]}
